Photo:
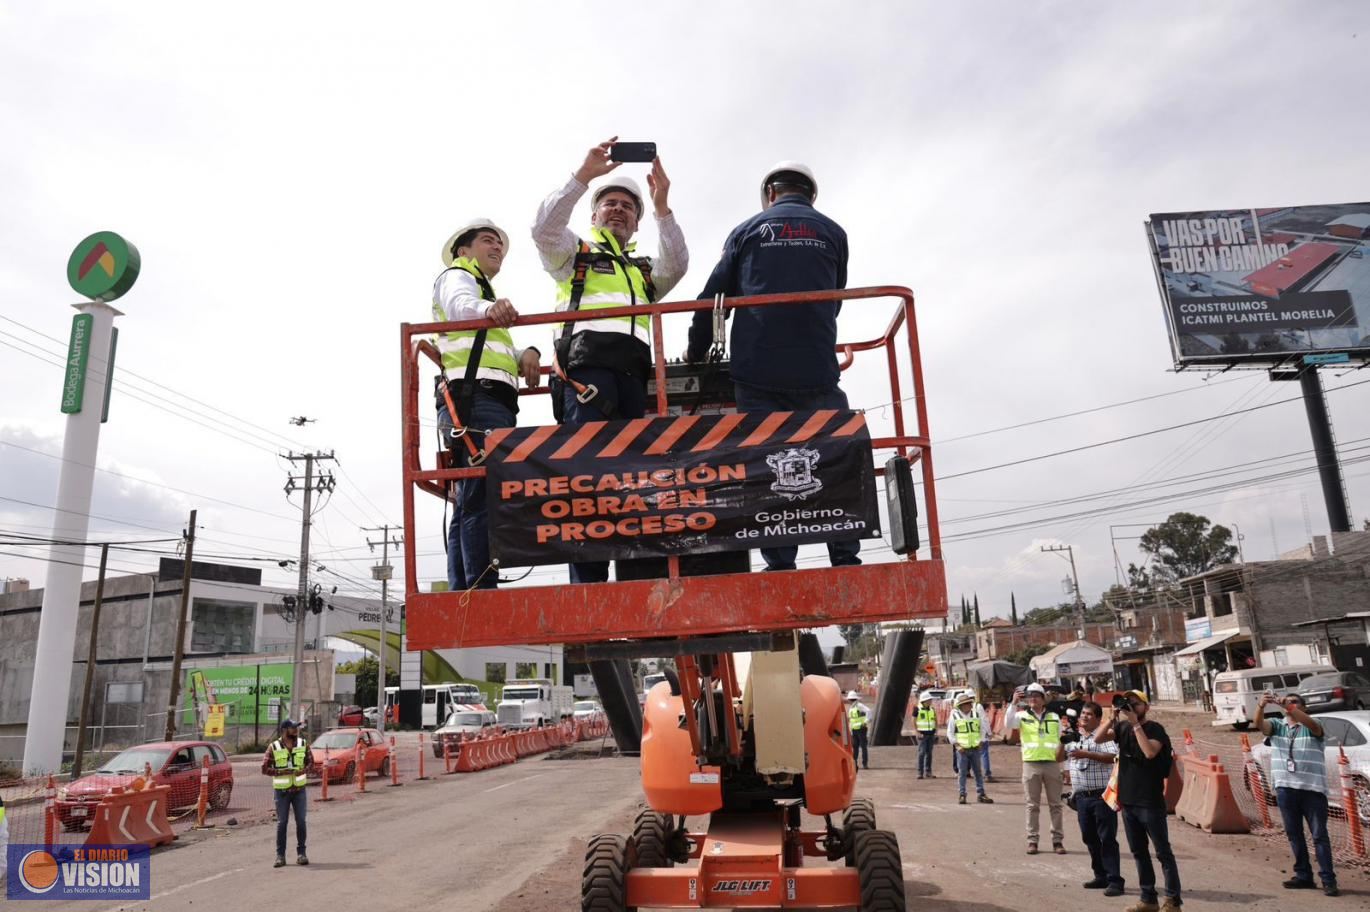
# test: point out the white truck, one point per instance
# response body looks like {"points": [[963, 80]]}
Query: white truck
{"points": [[532, 703]]}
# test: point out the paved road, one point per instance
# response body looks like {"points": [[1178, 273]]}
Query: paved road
{"points": [[512, 840]]}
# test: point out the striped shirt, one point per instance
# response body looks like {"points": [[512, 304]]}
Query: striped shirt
{"points": [[1295, 742], [1089, 775]]}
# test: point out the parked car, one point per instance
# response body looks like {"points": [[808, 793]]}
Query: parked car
{"points": [[1235, 693], [586, 711], [372, 715], [338, 750], [175, 764], [1349, 731], [353, 716], [1341, 690], [461, 722]]}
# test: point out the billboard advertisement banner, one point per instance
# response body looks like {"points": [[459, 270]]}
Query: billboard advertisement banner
{"points": [[1264, 285], [253, 693], [655, 487]]}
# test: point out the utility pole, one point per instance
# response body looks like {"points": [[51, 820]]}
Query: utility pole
{"points": [[382, 571], [1079, 602], [309, 484], [179, 654], [90, 665]]}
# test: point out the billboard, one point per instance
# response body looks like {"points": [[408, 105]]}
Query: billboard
{"points": [[1265, 286], [253, 693]]}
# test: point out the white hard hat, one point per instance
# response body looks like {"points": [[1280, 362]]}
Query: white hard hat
{"points": [[448, 257], [797, 168], [1035, 688], [626, 184], [966, 697], [925, 697], [851, 695]]}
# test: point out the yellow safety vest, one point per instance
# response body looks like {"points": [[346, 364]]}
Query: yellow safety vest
{"points": [[857, 717], [292, 761], [497, 358], [1039, 739], [927, 719], [620, 284], [967, 730]]}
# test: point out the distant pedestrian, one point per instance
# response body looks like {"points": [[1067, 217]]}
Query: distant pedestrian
{"points": [[925, 722], [1091, 765], [1144, 758], [965, 734], [1039, 736], [858, 719], [987, 735], [286, 761], [1299, 774]]}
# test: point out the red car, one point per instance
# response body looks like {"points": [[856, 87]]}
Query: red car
{"points": [[340, 745], [352, 716], [174, 763]]}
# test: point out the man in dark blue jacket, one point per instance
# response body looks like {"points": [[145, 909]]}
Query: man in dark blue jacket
{"points": [[783, 357]]}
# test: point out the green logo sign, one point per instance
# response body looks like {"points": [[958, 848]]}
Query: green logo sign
{"points": [[78, 356], [103, 266], [253, 693]]}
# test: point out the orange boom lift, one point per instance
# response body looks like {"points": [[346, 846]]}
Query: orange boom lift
{"points": [[745, 733]]}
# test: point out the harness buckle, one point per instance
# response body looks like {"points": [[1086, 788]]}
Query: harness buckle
{"points": [[456, 433], [585, 395], [477, 458]]}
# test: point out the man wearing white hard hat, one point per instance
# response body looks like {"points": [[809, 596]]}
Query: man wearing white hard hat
{"points": [[782, 358], [858, 720], [966, 733], [1039, 736], [479, 383], [925, 722], [601, 366]]}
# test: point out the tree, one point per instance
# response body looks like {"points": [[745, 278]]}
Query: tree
{"points": [[366, 670], [1024, 655], [1186, 544], [1013, 608], [852, 633], [977, 609], [1138, 578]]}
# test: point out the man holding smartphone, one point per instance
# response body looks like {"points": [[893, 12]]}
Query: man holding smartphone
{"points": [[601, 366], [783, 357], [1299, 774], [1144, 758], [1091, 765]]}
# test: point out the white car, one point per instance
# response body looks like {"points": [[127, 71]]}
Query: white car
{"points": [[1349, 731], [586, 711], [462, 722]]}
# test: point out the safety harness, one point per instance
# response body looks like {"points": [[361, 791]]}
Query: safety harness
{"points": [[460, 409], [587, 256]]}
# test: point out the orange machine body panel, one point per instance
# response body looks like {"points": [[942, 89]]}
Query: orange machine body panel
{"points": [[830, 775], [671, 779]]}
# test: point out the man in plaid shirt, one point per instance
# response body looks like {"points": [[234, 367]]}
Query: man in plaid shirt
{"points": [[1091, 765]]}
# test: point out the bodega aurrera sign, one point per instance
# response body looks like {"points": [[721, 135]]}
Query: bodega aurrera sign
{"points": [[653, 487]]}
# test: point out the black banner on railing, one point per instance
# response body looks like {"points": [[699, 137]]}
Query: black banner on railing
{"points": [[660, 486]]}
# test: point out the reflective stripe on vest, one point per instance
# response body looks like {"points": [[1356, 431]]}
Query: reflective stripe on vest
{"points": [[289, 759], [498, 360], [603, 290], [927, 719], [967, 732], [1039, 740], [856, 718]]}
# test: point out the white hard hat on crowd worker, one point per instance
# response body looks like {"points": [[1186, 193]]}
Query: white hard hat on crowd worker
{"points": [[794, 167], [851, 695], [964, 698], [1036, 689], [449, 253], [925, 697], [623, 184]]}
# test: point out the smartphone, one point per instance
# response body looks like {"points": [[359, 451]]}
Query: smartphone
{"points": [[633, 151]]}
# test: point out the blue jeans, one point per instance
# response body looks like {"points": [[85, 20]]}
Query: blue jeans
{"points": [[926, 739], [967, 762], [286, 800], [1147, 823], [468, 536], [755, 399], [1099, 829], [860, 747], [984, 758], [628, 396], [1296, 807]]}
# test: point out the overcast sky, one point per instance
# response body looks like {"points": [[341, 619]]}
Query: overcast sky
{"points": [[289, 173]]}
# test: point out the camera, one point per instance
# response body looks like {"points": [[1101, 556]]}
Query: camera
{"points": [[1120, 701], [1069, 736]]}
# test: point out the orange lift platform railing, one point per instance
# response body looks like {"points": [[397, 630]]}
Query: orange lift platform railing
{"points": [[744, 731]]}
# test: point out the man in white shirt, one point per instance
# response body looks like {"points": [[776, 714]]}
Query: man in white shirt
{"points": [[481, 367]]}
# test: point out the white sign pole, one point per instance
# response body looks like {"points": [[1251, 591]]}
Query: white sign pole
{"points": [[50, 699]]}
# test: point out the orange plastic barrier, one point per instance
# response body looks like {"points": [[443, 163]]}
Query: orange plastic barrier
{"points": [[421, 776], [1207, 801], [202, 803], [1174, 784], [1254, 781], [132, 817], [323, 780]]}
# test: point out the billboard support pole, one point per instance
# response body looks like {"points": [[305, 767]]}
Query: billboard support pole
{"points": [[1325, 449]]}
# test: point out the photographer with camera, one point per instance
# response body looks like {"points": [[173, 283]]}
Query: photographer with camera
{"points": [[1144, 758], [1091, 765], [1299, 775], [1039, 736]]}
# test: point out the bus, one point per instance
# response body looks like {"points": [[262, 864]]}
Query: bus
{"points": [[438, 701]]}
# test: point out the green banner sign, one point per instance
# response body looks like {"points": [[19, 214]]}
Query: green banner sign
{"points": [[252, 693], [78, 358], [103, 267]]}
